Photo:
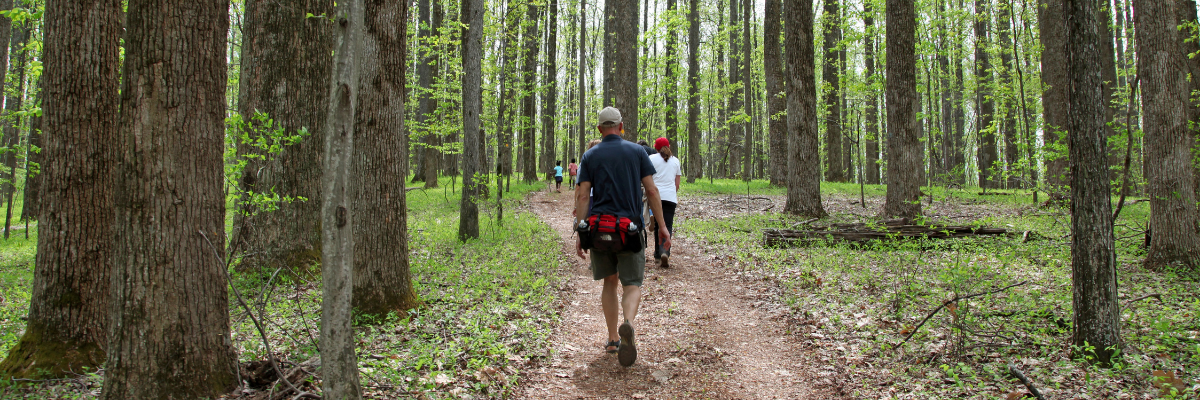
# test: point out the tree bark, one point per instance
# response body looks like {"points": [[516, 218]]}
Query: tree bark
{"points": [[550, 99], [695, 165], [32, 198], [1093, 259], [1169, 140], [382, 282], [871, 163], [621, 61], [1012, 157], [987, 155], [832, 27], [1186, 10], [339, 363], [530, 32], [583, 72], [12, 130], [68, 319], [804, 161], [776, 91], [169, 334], [472, 100], [748, 90], [1052, 29], [504, 121], [904, 147], [672, 77], [285, 73]]}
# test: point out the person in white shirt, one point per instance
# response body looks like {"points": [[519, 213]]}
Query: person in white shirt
{"points": [[666, 178]]}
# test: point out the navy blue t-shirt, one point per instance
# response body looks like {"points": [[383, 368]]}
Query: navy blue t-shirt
{"points": [[615, 167]]}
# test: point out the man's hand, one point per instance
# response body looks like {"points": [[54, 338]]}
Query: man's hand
{"points": [[664, 238], [579, 250]]}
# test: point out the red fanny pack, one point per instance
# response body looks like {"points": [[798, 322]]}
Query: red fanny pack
{"points": [[609, 232]]}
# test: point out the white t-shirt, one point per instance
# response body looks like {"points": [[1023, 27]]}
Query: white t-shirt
{"points": [[664, 176]]}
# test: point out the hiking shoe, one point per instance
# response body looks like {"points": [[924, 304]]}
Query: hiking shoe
{"points": [[664, 261], [627, 352]]}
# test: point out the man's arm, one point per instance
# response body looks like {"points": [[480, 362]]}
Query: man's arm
{"points": [[582, 201], [656, 205]]}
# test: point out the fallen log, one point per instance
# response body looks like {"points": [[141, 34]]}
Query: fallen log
{"points": [[890, 230]]}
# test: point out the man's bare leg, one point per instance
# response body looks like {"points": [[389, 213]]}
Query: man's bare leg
{"points": [[608, 299], [630, 302]]}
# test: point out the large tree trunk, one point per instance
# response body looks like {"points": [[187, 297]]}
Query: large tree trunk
{"points": [[529, 74], [904, 147], [425, 105], [871, 162], [1169, 140], [1052, 33], [381, 275], [286, 66], [339, 362], [67, 327], [1097, 316], [621, 60], [472, 100], [1186, 13], [832, 28], [583, 73], [776, 91], [169, 335], [550, 99], [987, 155], [695, 165], [804, 161]]}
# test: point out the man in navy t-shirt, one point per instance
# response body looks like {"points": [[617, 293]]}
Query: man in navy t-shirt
{"points": [[618, 171]]}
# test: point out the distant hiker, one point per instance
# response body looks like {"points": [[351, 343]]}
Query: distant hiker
{"points": [[558, 176], [666, 177], [649, 150], [613, 229], [572, 170]]}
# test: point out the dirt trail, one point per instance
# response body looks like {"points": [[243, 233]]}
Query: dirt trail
{"points": [[704, 332]]}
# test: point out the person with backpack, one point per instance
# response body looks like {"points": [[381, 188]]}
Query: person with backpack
{"points": [[613, 229]]}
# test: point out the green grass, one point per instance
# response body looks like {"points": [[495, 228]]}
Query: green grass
{"points": [[16, 283], [487, 304]]}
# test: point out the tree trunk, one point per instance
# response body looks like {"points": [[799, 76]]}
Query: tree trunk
{"points": [[1097, 316], [550, 99], [987, 155], [169, 334], [583, 73], [67, 327], [871, 163], [339, 362], [529, 87], [425, 48], [1169, 140], [748, 89], [671, 119], [504, 120], [804, 161], [382, 282], [695, 165], [1009, 123], [12, 130], [32, 198], [776, 91], [285, 73], [958, 136], [832, 27], [621, 73], [1052, 30], [472, 100], [1186, 10], [904, 146]]}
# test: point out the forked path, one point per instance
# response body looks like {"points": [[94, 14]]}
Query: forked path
{"points": [[704, 332]]}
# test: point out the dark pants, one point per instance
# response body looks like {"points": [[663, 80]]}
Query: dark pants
{"points": [[668, 208]]}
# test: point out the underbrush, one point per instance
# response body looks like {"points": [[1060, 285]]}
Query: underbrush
{"points": [[487, 307], [856, 305], [16, 283]]}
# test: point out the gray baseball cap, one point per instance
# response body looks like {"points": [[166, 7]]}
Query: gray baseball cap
{"points": [[609, 116]]}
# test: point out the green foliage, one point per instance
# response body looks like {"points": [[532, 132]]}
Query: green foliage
{"points": [[16, 284], [255, 143]]}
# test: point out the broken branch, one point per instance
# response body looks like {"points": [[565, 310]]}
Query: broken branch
{"points": [[1012, 369], [951, 301]]}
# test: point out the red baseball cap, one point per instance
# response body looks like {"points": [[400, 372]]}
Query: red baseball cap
{"points": [[660, 143]]}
